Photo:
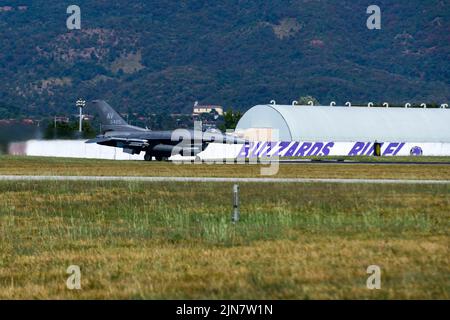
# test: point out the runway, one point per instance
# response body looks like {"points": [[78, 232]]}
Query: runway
{"points": [[218, 180]]}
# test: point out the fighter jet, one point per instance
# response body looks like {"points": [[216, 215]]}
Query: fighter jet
{"points": [[116, 132]]}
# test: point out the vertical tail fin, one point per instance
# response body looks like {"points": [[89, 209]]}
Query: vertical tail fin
{"points": [[110, 119]]}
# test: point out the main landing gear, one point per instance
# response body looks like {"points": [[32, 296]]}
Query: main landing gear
{"points": [[148, 157]]}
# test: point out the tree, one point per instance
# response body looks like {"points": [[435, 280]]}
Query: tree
{"points": [[230, 119], [304, 101], [69, 130]]}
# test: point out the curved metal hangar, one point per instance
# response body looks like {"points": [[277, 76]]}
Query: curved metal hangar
{"points": [[323, 123], [426, 129]]}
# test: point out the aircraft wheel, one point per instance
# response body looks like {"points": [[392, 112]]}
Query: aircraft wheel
{"points": [[148, 157], [159, 158]]}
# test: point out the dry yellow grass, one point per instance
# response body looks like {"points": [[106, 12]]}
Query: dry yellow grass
{"points": [[311, 267], [62, 166], [175, 240]]}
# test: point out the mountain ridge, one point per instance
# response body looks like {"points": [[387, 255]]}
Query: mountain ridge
{"points": [[161, 56]]}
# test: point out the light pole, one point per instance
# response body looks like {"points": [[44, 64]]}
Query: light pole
{"points": [[81, 103]]}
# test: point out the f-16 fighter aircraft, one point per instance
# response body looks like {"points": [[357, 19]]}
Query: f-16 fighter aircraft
{"points": [[159, 144]]}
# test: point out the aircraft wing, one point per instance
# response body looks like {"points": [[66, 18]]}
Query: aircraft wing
{"points": [[120, 142], [97, 140]]}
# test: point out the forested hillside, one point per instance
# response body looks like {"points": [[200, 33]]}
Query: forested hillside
{"points": [[161, 56]]}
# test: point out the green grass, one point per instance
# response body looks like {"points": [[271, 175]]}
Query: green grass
{"points": [[176, 240]]}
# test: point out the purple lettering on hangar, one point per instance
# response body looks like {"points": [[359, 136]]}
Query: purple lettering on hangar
{"points": [[367, 148], [285, 149]]}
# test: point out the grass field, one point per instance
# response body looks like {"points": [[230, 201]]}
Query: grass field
{"points": [[138, 240]]}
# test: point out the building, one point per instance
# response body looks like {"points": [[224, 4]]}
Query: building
{"points": [[199, 109], [307, 123], [348, 130], [62, 119], [27, 121]]}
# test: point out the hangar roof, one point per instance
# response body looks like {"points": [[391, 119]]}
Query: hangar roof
{"points": [[325, 123]]}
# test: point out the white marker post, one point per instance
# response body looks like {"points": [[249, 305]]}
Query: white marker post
{"points": [[235, 217]]}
